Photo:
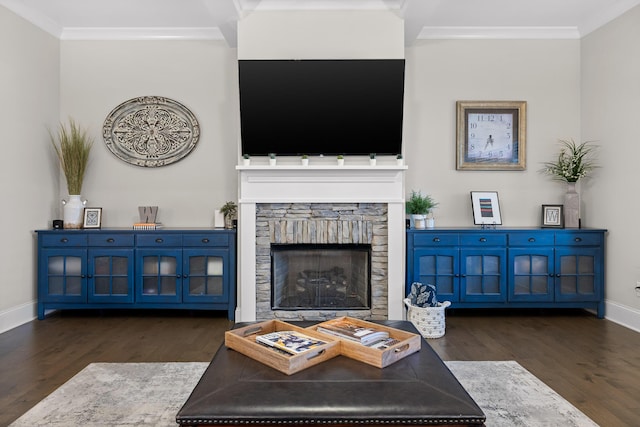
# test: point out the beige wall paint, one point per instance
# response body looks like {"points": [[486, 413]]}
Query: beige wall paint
{"points": [[29, 78], [610, 113], [544, 73], [97, 76]]}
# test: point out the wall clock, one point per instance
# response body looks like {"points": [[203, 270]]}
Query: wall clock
{"points": [[491, 135], [151, 131]]}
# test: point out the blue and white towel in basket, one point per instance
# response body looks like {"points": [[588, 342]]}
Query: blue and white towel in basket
{"points": [[424, 310]]}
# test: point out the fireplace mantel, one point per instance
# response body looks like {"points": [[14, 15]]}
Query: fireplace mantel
{"points": [[319, 184]]}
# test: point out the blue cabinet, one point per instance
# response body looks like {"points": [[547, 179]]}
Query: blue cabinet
{"points": [[511, 267], [189, 269]]}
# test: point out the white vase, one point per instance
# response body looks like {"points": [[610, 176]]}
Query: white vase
{"points": [[419, 221], [340, 162], [372, 162], [72, 211], [305, 162], [571, 206], [246, 162], [272, 162], [430, 223]]}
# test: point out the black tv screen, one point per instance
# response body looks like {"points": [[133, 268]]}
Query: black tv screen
{"points": [[321, 107]]}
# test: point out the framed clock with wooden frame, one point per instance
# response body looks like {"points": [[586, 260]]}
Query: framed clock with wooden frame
{"points": [[491, 135]]}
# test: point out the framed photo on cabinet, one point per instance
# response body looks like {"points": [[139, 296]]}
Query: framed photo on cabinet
{"points": [[552, 216], [491, 135], [486, 208], [92, 218]]}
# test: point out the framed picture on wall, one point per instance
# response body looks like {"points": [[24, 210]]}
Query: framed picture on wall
{"points": [[552, 216], [92, 218], [491, 135], [486, 208]]}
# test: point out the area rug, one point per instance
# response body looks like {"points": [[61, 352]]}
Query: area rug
{"points": [[150, 394]]}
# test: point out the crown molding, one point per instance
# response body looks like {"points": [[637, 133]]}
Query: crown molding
{"points": [[155, 33], [470, 33]]}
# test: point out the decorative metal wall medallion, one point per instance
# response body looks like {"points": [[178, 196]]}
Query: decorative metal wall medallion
{"points": [[151, 131]]}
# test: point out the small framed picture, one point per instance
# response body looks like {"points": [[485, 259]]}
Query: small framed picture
{"points": [[486, 209], [552, 216], [92, 218], [491, 135]]}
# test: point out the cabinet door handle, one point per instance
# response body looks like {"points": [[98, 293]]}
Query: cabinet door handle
{"points": [[111, 240], [483, 239], [89, 276], [205, 240], [578, 239], [184, 276], [64, 240], [178, 276], [159, 240], [532, 239], [558, 275], [436, 240]]}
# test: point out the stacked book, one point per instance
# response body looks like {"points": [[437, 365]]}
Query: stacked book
{"points": [[147, 225]]}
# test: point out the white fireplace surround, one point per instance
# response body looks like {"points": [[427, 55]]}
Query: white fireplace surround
{"points": [[319, 184]]}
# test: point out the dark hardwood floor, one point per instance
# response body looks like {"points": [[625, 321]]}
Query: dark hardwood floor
{"points": [[594, 364]]}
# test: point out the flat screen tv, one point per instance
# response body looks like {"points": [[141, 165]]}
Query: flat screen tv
{"points": [[321, 107]]}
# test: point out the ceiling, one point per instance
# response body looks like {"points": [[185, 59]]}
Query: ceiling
{"points": [[216, 19]]}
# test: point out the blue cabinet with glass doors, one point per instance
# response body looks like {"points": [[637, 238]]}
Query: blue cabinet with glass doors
{"points": [[177, 269], [527, 268]]}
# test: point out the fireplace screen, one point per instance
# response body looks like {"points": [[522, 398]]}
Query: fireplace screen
{"points": [[325, 276]]}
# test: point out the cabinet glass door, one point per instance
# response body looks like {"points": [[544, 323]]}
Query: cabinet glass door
{"points": [[111, 276], [438, 267], [531, 275], [577, 275], [160, 276], [66, 278], [483, 275], [204, 276]]}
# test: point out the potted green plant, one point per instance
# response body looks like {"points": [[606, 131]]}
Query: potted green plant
{"points": [[229, 210], [72, 146], [399, 160], [372, 159], [246, 159], [272, 159], [419, 206], [305, 160], [340, 160]]}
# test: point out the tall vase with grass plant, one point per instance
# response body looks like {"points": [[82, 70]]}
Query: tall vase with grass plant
{"points": [[72, 146], [574, 162]]}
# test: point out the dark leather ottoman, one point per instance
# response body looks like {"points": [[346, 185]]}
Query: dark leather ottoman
{"points": [[417, 390]]}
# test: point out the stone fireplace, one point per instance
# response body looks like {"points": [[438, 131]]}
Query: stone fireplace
{"points": [[325, 207]]}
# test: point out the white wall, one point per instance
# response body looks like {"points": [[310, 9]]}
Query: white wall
{"points": [[545, 73], [96, 76], [29, 78], [610, 113]]}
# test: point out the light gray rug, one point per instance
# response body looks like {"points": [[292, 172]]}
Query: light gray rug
{"points": [[150, 394]]}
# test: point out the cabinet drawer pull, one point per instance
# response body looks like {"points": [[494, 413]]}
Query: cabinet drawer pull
{"points": [[532, 239], [578, 239], [111, 240], [558, 275], [184, 276], [436, 240], [64, 240], [159, 240], [205, 240], [483, 239]]}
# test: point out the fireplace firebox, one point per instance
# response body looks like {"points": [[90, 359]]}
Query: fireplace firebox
{"points": [[320, 276]]}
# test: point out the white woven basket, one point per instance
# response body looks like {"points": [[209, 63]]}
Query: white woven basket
{"points": [[428, 320]]}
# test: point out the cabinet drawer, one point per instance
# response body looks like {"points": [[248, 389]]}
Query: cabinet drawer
{"points": [[64, 239], [483, 239], [531, 239], [577, 238], [111, 239], [435, 239], [156, 239], [201, 240]]}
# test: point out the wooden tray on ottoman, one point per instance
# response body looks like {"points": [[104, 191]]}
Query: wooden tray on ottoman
{"points": [[408, 343], [243, 340]]}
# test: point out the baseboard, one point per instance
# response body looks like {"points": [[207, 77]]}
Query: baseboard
{"points": [[623, 315], [16, 316]]}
